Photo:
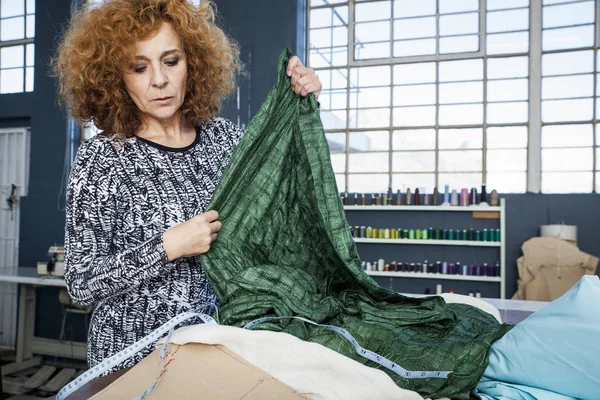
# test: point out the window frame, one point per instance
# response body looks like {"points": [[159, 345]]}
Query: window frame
{"points": [[534, 123]]}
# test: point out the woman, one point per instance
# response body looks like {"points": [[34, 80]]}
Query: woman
{"points": [[151, 74]]}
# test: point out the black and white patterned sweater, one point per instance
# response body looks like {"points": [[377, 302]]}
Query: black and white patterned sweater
{"points": [[122, 196]]}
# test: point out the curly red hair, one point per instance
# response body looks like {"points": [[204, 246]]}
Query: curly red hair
{"points": [[98, 47]]}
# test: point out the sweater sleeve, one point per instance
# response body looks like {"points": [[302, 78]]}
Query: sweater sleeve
{"points": [[94, 270]]}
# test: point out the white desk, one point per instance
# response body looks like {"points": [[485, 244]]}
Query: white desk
{"points": [[27, 343]]}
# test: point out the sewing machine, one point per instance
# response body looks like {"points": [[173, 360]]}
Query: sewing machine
{"points": [[56, 265]]}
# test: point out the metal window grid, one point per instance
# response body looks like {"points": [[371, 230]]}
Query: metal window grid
{"points": [[20, 42], [534, 101]]}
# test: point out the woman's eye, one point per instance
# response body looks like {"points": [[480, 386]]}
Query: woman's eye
{"points": [[139, 69], [172, 63]]}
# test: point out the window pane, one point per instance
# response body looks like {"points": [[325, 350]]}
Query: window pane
{"points": [[327, 57], [340, 180], [549, 2], [11, 8], [410, 48], [414, 161], [336, 142], [414, 28], [30, 6], [373, 11], [404, 181], [463, 70], [338, 162], [375, 118], [29, 79], [12, 29], [413, 8], [568, 86], [568, 38], [333, 78], [333, 99], [324, 17], [507, 90], [371, 97], [11, 80], [507, 160], [572, 182], [461, 160], [372, 32], [369, 141], [574, 62], [507, 137], [414, 73], [568, 14], [459, 44], [469, 114], [321, 38], [507, 182], [414, 116], [333, 119], [420, 139], [370, 76], [499, 4], [371, 50], [506, 43], [369, 162], [414, 95], [507, 112], [567, 135], [567, 110], [465, 92], [320, 18], [461, 138], [11, 57], [30, 26], [504, 21], [30, 50], [512, 67], [567, 160], [452, 6], [459, 24], [459, 181], [366, 183], [315, 3]]}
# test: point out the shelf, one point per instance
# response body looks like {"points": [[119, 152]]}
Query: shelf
{"points": [[432, 242], [436, 276], [422, 208]]}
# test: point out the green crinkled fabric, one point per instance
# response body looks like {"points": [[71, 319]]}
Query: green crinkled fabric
{"points": [[286, 249]]}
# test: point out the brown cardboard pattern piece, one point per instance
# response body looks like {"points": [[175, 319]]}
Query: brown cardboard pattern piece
{"points": [[195, 371]]}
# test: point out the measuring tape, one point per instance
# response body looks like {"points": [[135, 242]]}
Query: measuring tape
{"points": [[130, 351], [169, 327], [384, 362]]}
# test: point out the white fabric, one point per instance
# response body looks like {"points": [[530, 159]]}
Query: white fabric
{"points": [[311, 369], [473, 301]]}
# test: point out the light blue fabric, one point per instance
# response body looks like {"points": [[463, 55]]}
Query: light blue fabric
{"points": [[557, 350]]}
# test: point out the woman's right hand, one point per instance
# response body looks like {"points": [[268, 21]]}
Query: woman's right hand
{"points": [[192, 237]]}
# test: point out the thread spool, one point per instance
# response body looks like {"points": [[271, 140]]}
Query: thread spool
{"points": [[464, 197], [435, 197], [454, 198], [446, 195]]}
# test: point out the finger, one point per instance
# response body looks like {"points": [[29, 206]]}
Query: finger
{"points": [[213, 237], [215, 226], [311, 86], [302, 71], [293, 63], [210, 216]]}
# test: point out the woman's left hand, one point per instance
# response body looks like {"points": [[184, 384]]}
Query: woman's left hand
{"points": [[304, 79]]}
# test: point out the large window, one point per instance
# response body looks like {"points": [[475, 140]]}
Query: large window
{"points": [[17, 30], [423, 93]]}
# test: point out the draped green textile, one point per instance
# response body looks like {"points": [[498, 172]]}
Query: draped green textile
{"points": [[285, 249]]}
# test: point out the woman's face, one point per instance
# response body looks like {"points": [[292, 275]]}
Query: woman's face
{"points": [[156, 81]]}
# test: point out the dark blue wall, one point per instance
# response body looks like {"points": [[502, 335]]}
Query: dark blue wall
{"points": [[263, 28]]}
